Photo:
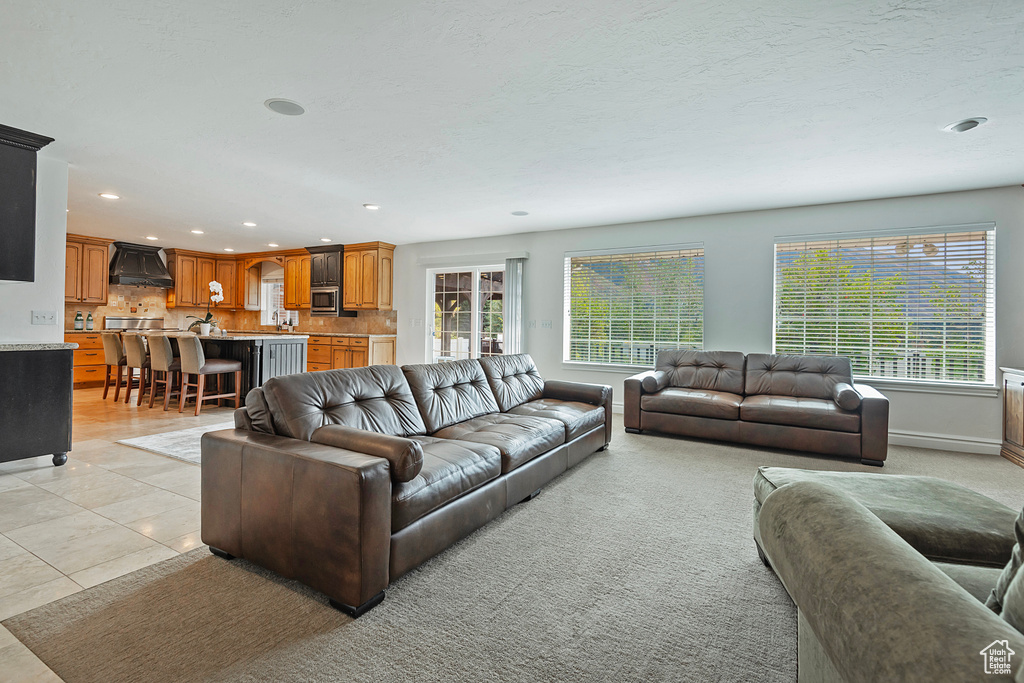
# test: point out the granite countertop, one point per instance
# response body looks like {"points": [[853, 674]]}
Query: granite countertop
{"points": [[82, 331], [239, 336], [36, 346], [315, 334]]}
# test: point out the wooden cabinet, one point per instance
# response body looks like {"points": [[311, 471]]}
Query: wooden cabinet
{"points": [[86, 268], [1013, 415], [296, 281], [368, 277], [359, 352], [90, 365], [325, 270], [227, 276], [318, 354], [182, 268], [206, 272]]}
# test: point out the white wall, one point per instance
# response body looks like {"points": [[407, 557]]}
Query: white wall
{"points": [[738, 291], [19, 299]]}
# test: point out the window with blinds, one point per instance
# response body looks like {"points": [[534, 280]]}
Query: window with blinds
{"points": [[918, 306], [622, 308]]}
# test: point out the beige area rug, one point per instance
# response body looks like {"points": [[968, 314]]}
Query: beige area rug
{"points": [[183, 444], [637, 565]]}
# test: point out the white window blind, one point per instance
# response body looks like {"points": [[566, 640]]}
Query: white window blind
{"points": [[915, 306], [622, 308]]}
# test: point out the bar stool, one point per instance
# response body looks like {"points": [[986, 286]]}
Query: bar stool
{"points": [[163, 361], [113, 356], [138, 358], [194, 362]]}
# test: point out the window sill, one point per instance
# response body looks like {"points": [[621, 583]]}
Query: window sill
{"points": [[948, 388], [606, 367]]}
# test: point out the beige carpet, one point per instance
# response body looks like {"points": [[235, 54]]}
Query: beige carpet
{"points": [[183, 444], [637, 565]]}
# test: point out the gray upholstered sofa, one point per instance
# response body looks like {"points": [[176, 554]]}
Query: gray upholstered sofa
{"points": [[347, 479], [804, 403], [895, 578]]}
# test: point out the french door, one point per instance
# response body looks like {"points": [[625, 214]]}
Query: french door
{"points": [[466, 309]]}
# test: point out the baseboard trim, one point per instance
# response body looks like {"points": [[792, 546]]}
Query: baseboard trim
{"points": [[945, 442], [617, 408]]}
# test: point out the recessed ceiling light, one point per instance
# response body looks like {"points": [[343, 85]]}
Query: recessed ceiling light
{"points": [[371, 207], [228, 249], [325, 239], [67, 210], [197, 232], [965, 125], [273, 245], [152, 238], [283, 106], [249, 224], [109, 195], [520, 213]]}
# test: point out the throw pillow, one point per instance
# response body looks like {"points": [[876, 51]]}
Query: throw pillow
{"points": [[845, 396], [996, 599]]}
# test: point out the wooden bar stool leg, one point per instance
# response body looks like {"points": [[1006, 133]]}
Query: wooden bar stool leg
{"points": [[184, 391], [238, 388], [168, 387], [152, 389], [143, 377], [128, 385], [200, 383], [220, 389], [106, 383], [117, 389]]}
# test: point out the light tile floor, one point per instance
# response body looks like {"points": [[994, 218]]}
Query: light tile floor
{"points": [[110, 510]]}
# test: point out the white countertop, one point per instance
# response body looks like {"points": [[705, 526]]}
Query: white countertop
{"points": [[36, 346]]}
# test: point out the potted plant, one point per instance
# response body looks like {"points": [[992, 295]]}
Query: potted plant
{"points": [[205, 323]]}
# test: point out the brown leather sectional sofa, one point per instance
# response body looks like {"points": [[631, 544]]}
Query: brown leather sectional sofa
{"points": [[347, 479], [804, 403]]}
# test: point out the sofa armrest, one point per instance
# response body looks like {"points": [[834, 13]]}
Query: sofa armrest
{"points": [[307, 511], [654, 382], [404, 455], [878, 608], [632, 390], [596, 394], [242, 419], [874, 423]]}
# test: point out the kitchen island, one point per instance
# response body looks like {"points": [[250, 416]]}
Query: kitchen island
{"points": [[35, 400], [262, 355]]}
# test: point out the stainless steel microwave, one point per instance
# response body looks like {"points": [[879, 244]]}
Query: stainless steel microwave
{"points": [[325, 301]]}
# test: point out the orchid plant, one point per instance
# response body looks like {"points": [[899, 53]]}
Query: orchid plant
{"points": [[216, 296]]}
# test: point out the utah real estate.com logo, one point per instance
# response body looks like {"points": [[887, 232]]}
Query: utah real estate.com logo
{"points": [[997, 657]]}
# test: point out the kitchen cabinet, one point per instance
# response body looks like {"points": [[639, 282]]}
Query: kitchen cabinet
{"points": [[360, 352], [1013, 415], [182, 267], [206, 272], [296, 281], [86, 268], [90, 364], [368, 275], [325, 268], [227, 276]]}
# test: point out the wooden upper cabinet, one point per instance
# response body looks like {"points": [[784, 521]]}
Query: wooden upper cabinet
{"points": [[86, 269], [296, 281], [303, 285], [206, 272], [368, 276], [185, 280], [73, 272], [227, 276]]}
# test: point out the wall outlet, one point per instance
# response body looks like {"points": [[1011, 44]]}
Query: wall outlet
{"points": [[545, 324], [44, 317], [417, 322], [533, 324]]}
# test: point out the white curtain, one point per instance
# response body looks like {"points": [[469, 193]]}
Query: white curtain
{"points": [[513, 305]]}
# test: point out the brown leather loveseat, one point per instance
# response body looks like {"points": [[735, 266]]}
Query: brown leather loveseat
{"points": [[804, 403], [347, 479]]}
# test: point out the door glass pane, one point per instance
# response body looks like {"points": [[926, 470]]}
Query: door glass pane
{"points": [[491, 326], [452, 311]]}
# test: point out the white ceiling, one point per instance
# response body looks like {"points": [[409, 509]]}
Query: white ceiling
{"points": [[453, 113]]}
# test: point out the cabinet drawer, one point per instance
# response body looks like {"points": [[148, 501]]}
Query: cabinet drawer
{"points": [[319, 341], [317, 367], [85, 357], [90, 373], [318, 353], [85, 341], [349, 342]]}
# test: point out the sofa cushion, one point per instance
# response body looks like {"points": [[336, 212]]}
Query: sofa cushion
{"points": [[260, 417], [447, 393], [514, 379], [578, 418], [520, 438], [814, 413], [1013, 603], [1012, 568], [943, 521], [376, 398], [450, 469], [696, 402], [805, 376], [711, 370]]}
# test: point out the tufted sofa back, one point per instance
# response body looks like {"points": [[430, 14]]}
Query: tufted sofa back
{"points": [[806, 376], [448, 393], [513, 379], [710, 370], [376, 398]]}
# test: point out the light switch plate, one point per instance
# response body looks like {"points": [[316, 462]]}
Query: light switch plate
{"points": [[533, 324], [44, 317], [545, 324]]}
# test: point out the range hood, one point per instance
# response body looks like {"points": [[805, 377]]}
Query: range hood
{"points": [[139, 265]]}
